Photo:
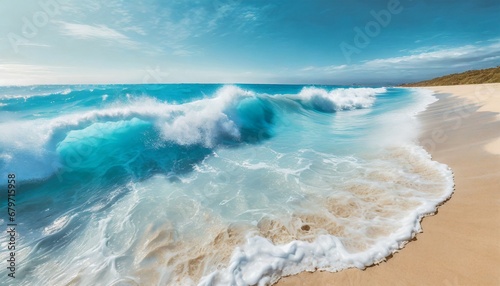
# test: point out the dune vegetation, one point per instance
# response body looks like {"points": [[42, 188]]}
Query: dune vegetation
{"points": [[491, 75]]}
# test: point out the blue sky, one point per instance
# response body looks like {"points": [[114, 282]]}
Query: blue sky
{"points": [[245, 41]]}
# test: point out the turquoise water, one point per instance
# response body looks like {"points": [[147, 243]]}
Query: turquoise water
{"points": [[211, 184]]}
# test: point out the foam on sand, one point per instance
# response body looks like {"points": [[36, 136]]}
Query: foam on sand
{"points": [[239, 188]]}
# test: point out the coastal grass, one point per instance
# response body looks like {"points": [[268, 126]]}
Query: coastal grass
{"points": [[491, 75]]}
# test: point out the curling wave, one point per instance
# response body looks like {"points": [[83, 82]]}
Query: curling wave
{"points": [[232, 116]]}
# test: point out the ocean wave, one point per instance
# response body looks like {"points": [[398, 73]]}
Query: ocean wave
{"points": [[338, 99], [374, 216], [239, 188], [20, 92], [231, 116]]}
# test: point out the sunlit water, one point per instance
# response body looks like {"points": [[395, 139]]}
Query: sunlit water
{"points": [[211, 184]]}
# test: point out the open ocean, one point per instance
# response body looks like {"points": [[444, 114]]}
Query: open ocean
{"points": [[210, 184]]}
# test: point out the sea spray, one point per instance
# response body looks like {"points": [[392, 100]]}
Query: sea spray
{"points": [[213, 185]]}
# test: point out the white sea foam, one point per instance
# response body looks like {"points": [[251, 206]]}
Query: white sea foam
{"points": [[194, 122], [31, 94], [201, 122], [339, 99], [405, 117], [57, 225], [261, 262], [370, 216], [246, 215]]}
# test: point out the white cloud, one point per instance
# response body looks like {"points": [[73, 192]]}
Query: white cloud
{"points": [[250, 16], [220, 13], [87, 31], [418, 64], [32, 44], [98, 32], [334, 68], [180, 31], [327, 69], [424, 49], [12, 74], [309, 68], [494, 58], [136, 29], [23, 74], [435, 57], [442, 58]]}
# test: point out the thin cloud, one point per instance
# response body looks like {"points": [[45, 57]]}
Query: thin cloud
{"points": [[467, 55], [136, 29], [180, 31], [23, 74], [33, 44], [446, 57], [82, 31], [309, 68], [334, 68], [98, 32], [327, 69], [433, 60]]}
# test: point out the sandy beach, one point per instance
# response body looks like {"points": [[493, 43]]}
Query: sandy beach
{"points": [[460, 245]]}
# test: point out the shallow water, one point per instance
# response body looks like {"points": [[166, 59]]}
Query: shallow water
{"points": [[212, 184]]}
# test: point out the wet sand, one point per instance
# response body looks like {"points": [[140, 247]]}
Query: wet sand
{"points": [[460, 245]]}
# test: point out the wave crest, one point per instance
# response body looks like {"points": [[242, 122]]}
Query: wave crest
{"points": [[231, 116], [338, 99]]}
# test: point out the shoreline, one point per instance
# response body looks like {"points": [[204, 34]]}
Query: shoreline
{"points": [[459, 244]]}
